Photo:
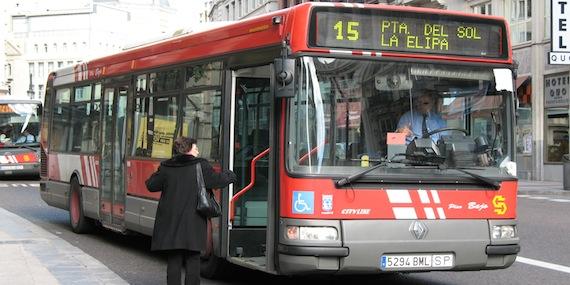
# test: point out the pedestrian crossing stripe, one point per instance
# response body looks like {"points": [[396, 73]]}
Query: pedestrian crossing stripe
{"points": [[544, 198], [8, 185]]}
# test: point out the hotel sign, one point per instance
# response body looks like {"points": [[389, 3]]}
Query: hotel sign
{"points": [[560, 16], [556, 90]]}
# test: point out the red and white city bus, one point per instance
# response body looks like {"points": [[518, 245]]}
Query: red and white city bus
{"points": [[19, 136], [302, 104]]}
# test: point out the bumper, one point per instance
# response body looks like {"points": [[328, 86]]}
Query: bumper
{"points": [[23, 169], [55, 194], [364, 242]]}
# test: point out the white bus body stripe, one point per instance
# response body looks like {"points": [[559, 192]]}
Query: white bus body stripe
{"points": [[95, 173], [69, 163], [91, 170], [399, 196], [435, 196], [430, 214], [424, 198], [404, 213], [87, 172], [441, 213], [341, 51]]}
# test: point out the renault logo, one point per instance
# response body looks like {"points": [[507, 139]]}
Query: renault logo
{"points": [[418, 229]]}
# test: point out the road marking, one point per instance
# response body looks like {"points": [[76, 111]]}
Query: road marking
{"points": [[538, 198], [10, 185], [560, 200], [543, 264], [544, 198]]}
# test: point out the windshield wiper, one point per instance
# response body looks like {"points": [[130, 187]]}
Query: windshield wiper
{"points": [[487, 181], [353, 177]]}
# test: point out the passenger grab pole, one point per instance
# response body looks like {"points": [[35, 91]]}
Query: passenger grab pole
{"points": [[251, 182]]}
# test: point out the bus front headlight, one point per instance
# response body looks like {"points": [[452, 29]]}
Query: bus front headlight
{"points": [[311, 233], [503, 232]]}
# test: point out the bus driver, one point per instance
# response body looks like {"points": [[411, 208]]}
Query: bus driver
{"points": [[421, 120]]}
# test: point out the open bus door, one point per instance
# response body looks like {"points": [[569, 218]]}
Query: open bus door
{"points": [[112, 198], [251, 234]]}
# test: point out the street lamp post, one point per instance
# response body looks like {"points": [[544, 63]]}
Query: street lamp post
{"points": [[31, 89]]}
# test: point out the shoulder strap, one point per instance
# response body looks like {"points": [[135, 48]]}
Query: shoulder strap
{"points": [[199, 176]]}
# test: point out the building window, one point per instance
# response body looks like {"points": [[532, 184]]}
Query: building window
{"points": [[239, 13], [59, 64], [483, 8], [41, 70], [54, 47], [521, 24], [556, 103], [36, 48], [31, 68], [45, 48], [50, 66], [524, 137], [64, 46]]}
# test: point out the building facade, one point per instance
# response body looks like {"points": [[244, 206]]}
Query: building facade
{"points": [[542, 133], [232, 10], [42, 37]]}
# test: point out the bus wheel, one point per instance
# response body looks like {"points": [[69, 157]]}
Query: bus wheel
{"points": [[211, 266], [79, 223]]}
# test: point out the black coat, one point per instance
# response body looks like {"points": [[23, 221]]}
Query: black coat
{"points": [[177, 224]]}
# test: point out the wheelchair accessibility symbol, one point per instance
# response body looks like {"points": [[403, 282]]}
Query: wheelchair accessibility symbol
{"points": [[303, 202]]}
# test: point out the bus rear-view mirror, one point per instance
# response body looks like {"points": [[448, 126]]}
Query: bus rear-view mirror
{"points": [[284, 75]]}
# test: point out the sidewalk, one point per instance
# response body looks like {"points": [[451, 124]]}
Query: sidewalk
{"points": [[531, 187], [32, 255]]}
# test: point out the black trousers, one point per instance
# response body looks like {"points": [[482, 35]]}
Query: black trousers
{"points": [[176, 258]]}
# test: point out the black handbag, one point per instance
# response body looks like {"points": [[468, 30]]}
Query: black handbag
{"points": [[207, 205]]}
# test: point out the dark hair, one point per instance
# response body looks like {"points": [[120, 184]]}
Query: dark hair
{"points": [[183, 145]]}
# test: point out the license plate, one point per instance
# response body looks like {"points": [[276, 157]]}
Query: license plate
{"points": [[388, 262], [11, 167]]}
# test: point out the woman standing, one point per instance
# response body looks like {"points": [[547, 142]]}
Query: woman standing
{"points": [[178, 228]]}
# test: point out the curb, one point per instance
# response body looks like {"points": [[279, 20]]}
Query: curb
{"points": [[59, 261]]}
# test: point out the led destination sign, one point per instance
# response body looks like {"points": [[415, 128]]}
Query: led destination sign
{"points": [[409, 32]]}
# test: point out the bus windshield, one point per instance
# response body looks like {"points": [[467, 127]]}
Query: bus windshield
{"points": [[19, 125], [348, 115]]}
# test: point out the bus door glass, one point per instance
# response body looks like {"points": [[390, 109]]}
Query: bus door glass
{"points": [[251, 116], [113, 154]]}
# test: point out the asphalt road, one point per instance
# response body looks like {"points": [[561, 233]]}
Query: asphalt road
{"points": [[543, 227]]}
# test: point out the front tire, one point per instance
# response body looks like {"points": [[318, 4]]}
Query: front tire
{"points": [[79, 223]]}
